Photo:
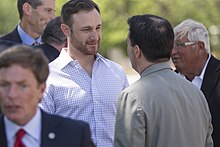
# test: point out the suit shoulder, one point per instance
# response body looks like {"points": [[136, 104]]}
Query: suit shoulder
{"points": [[12, 36], [67, 121], [7, 36]]}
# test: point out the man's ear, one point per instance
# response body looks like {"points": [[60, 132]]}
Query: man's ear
{"points": [[138, 52], [27, 9], [42, 88], [201, 45], [66, 30]]}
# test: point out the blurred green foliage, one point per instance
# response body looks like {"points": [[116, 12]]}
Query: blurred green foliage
{"points": [[115, 14]]}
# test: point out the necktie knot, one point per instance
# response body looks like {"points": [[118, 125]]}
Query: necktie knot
{"points": [[35, 43], [19, 135]]}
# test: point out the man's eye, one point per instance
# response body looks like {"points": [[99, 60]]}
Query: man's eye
{"points": [[48, 10], [3, 84], [86, 30], [23, 85], [182, 44], [98, 28]]}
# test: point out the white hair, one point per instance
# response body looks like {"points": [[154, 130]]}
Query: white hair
{"points": [[194, 31]]}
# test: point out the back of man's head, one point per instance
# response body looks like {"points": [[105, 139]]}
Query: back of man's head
{"points": [[154, 36], [53, 34]]}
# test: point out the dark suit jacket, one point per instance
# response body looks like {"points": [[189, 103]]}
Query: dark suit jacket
{"points": [[4, 44], [211, 90], [68, 132], [50, 52], [12, 36]]}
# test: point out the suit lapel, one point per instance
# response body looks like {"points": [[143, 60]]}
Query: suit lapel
{"points": [[48, 132], [3, 140], [211, 76], [16, 35]]}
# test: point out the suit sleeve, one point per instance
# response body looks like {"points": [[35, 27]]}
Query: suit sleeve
{"points": [[87, 141], [130, 127], [209, 140]]}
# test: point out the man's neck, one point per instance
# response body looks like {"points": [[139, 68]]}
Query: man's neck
{"points": [[28, 29], [86, 61]]}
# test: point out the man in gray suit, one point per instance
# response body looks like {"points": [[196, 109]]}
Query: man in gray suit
{"points": [[162, 109]]}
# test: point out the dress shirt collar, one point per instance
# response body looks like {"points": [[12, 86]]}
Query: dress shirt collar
{"points": [[26, 38], [155, 67], [198, 79], [64, 59], [32, 128], [204, 68]]}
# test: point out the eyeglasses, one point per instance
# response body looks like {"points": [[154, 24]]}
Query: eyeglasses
{"points": [[183, 44]]}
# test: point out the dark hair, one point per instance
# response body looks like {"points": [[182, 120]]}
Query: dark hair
{"points": [[154, 36], [27, 57], [74, 6], [33, 3], [53, 33]]}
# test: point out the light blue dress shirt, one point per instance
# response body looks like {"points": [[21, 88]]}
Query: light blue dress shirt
{"points": [[72, 93], [26, 38], [32, 138]]}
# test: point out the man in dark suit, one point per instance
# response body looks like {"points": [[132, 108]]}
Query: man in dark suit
{"points": [[192, 58], [23, 74], [34, 16], [53, 39]]}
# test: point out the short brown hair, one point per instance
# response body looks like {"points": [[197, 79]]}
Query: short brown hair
{"points": [[74, 6], [27, 57]]}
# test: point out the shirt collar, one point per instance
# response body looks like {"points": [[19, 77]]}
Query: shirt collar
{"points": [[64, 59], [201, 76], [32, 128], [26, 38], [155, 67], [204, 68]]}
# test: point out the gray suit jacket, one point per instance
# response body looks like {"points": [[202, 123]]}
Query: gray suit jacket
{"points": [[162, 110]]}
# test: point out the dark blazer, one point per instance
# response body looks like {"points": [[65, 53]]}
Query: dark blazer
{"points": [[211, 90], [50, 51], [4, 44], [68, 132], [12, 36]]}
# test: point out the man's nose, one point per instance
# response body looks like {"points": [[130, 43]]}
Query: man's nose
{"points": [[52, 15], [94, 35], [12, 92]]}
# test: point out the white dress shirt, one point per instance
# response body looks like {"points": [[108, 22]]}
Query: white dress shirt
{"points": [[32, 138], [198, 79]]}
